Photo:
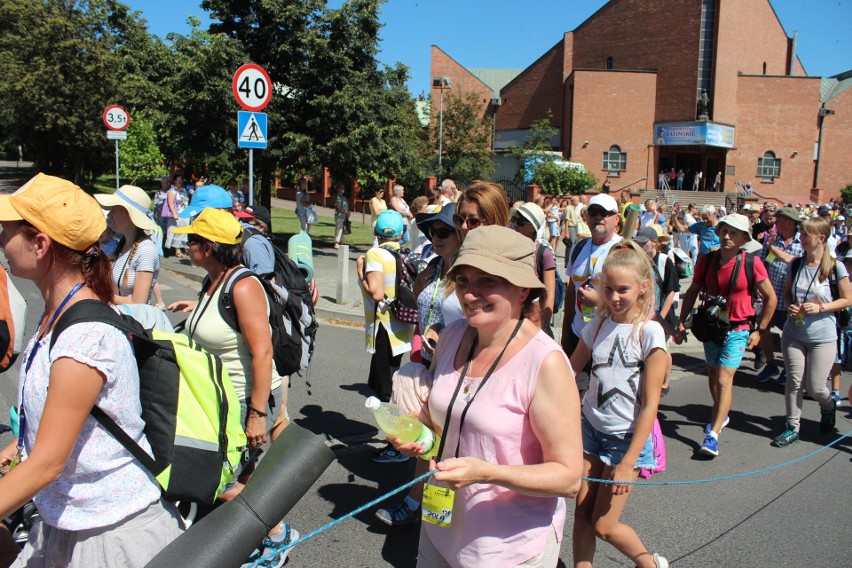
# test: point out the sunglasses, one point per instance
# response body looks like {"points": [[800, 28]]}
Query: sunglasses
{"points": [[441, 232], [471, 222], [599, 212], [520, 220]]}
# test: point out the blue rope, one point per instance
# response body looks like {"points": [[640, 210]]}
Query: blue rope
{"points": [[590, 479], [336, 522], [722, 477]]}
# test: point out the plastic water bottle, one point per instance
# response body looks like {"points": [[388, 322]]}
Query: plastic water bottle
{"points": [[396, 422]]}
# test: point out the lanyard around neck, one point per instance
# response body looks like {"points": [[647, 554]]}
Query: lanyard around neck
{"points": [[40, 334], [22, 414], [808, 289], [481, 384]]}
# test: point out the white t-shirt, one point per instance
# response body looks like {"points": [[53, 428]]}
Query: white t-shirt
{"points": [[614, 398], [647, 218], [145, 259], [101, 483], [832, 245], [587, 268]]}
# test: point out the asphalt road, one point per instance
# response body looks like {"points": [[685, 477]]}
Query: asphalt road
{"points": [[791, 516]]}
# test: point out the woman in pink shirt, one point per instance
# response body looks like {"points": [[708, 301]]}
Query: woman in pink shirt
{"points": [[509, 415]]}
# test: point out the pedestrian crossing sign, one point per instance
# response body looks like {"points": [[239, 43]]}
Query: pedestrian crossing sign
{"points": [[251, 130]]}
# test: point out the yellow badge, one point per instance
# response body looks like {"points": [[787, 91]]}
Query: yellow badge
{"points": [[588, 313], [438, 505], [770, 257]]}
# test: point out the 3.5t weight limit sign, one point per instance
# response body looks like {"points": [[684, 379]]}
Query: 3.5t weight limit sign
{"points": [[116, 118], [252, 87]]}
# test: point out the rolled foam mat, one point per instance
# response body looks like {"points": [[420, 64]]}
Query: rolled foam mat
{"points": [[227, 536], [300, 249]]}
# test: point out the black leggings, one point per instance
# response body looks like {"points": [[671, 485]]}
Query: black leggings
{"points": [[383, 365]]}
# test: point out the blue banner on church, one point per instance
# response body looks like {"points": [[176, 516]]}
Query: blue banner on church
{"points": [[694, 134]]}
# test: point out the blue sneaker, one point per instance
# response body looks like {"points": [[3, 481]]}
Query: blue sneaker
{"points": [[768, 373], [836, 396], [710, 425], [710, 447], [782, 378]]}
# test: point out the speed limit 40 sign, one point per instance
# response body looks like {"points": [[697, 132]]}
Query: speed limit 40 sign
{"points": [[252, 87], [116, 118]]}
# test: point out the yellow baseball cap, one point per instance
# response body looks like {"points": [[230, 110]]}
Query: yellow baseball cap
{"points": [[215, 225], [57, 208]]}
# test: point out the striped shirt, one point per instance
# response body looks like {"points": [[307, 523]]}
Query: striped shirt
{"points": [[378, 259]]}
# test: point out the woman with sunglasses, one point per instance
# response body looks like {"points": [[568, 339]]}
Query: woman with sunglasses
{"points": [[377, 205], [482, 203], [245, 347], [98, 506], [530, 220]]}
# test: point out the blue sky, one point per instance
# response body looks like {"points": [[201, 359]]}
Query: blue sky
{"points": [[509, 34]]}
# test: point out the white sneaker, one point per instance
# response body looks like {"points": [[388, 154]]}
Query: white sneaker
{"points": [[660, 562]]}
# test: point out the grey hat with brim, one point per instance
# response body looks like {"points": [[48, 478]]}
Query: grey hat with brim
{"points": [[502, 252], [736, 221]]}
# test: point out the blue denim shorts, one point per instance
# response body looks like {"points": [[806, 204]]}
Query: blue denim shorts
{"points": [[730, 354], [610, 448]]}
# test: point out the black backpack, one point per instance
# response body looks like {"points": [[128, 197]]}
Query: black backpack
{"points": [[404, 305], [842, 316], [190, 409], [291, 311]]}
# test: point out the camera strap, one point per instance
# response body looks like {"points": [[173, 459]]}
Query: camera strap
{"points": [[734, 276]]}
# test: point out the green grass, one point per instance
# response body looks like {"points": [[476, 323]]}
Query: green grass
{"points": [[285, 223], [106, 184]]}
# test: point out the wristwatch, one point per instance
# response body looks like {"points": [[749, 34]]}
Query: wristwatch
{"points": [[821, 309], [761, 330]]}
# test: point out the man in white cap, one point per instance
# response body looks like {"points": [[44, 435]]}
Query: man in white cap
{"points": [[582, 275], [723, 277]]}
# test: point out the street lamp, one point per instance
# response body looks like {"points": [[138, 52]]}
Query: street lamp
{"points": [[441, 83]]}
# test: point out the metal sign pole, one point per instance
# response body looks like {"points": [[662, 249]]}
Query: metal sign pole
{"points": [[251, 177], [116, 165]]}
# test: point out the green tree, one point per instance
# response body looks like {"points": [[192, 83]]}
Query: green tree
{"points": [[560, 180], [334, 105], [537, 164], [393, 145], [466, 140], [59, 60], [283, 37], [200, 115], [140, 156]]}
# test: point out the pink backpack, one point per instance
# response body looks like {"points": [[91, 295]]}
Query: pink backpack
{"points": [[656, 432]]}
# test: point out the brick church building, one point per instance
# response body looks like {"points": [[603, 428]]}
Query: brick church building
{"points": [[625, 92]]}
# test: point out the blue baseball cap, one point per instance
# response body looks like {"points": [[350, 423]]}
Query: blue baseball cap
{"points": [[389, 224], [207, 196], [445, 214]]}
